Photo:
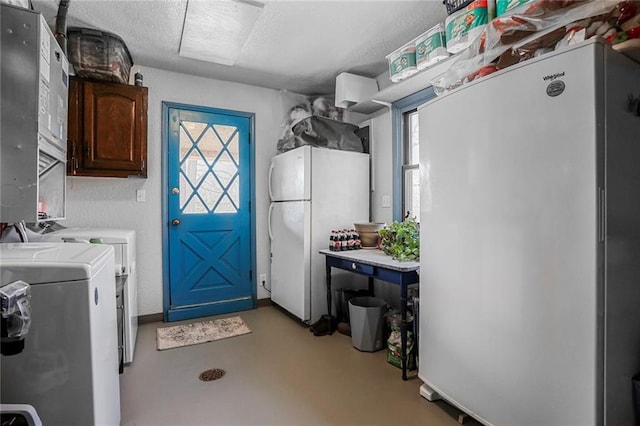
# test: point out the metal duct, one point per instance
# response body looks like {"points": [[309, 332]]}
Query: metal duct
{"points": [[61, 24]]}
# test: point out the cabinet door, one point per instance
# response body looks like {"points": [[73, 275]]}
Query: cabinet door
{"points": [[114, 129]]}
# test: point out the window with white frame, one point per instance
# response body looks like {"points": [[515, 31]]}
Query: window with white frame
{"points": [[406, 153], [411, 165]]}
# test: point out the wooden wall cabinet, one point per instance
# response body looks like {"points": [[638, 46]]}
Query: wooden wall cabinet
{"points": [[107, 134]]}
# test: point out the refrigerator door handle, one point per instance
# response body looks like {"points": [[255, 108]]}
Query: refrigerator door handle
{"points": [[269, 222], [602, 203], [269, 185]]}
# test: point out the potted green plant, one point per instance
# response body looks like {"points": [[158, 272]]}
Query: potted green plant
{"points": [[401, 240]]}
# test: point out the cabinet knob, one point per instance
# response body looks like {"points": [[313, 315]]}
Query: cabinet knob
{"points": [[175, 191], [175, 222]]}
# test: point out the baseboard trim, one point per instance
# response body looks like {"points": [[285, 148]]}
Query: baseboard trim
{"points": [[264, 302], [145, 319], [179, 314]]}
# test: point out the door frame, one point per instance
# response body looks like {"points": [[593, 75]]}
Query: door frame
{"points": [[166, 290]]}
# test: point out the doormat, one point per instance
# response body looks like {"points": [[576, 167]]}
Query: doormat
{"points": [[200, 332]]}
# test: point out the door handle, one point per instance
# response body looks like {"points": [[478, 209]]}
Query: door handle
{"points": [[602, 214], [175, 222], [175, 191], [269, 222], [269, 181]]}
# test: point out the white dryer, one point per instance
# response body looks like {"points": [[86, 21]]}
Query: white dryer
{"points": [[68, 370], [124, 244]]}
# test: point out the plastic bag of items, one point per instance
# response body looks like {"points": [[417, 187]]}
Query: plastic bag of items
{"points": [[320, 107], [621, 26], [318, 129], [394, 341], [295, 115], [527, 31], [323, 107]]}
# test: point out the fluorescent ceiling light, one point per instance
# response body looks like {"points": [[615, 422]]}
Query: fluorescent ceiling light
{"points": [[215, 31]]}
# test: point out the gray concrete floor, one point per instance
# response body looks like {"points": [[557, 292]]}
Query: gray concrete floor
{"points": [[280, 374]]}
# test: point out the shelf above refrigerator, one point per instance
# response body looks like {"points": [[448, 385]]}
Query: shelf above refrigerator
{"points": [[402, 89]]}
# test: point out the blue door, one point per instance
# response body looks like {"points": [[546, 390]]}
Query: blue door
{"points": [[208, 205]]}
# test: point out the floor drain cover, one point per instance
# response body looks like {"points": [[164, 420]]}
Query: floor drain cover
{"points": [[210, 375]]}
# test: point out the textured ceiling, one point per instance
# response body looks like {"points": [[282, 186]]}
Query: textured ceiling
{"points": [[300, 46]]}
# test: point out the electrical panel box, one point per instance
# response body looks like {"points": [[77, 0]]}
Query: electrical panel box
{"points": [[34, 80]]}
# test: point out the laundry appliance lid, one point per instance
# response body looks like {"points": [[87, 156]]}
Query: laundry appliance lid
{"points": [[38, 263], [106, 235]]}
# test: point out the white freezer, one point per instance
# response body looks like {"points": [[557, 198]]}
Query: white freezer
{"points": [[527, 318], [337, 184]]}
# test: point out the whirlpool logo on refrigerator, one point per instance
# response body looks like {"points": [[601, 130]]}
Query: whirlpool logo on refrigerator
{"points": [[555, 87]]}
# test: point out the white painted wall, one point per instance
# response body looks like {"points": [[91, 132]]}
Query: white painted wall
{"points": [[111, 202], [382, 141], [381, 131]]}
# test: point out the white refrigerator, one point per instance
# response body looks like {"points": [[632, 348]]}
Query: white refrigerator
{"points": [[530, 281], [312, 190]]}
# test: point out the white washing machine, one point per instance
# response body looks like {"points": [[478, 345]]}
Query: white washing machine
{"points": [[124, 244], [68, 370]]}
